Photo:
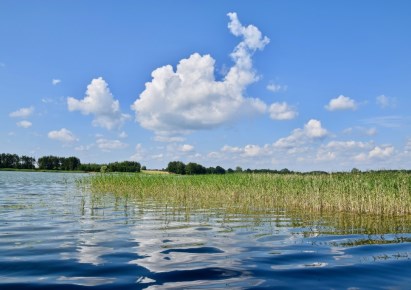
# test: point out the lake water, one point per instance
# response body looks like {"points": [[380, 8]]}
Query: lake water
{"points": [[53, 235]]}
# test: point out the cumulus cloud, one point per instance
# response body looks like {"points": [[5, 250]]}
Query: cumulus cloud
{"points": [[189, 98], [314, 130], [254, 150], [99, 102], [231, 149], [62, 135], [311, 131], [22, 113], [186, 148], [381, 152], [341, 103], [347, 145], [108, 145], [250, 150], [345, 151], [55, 81], [24, 124], [282, 111]]}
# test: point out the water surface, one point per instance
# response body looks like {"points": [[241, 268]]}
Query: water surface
{"points": [[54, 235]]}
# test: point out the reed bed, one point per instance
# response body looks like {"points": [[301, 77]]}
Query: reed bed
{"points": [[382, 193]]}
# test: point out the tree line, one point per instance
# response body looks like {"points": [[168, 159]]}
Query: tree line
{"points": [[14, 161], [192, 168], [17, 162]]}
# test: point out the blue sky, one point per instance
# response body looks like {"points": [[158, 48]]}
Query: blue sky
{"points": [[304, 85]]}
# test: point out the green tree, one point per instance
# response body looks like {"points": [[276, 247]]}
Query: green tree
{"points": [[27, 162], [194, 168], [177, 167], [125, 166], [219, 170]]}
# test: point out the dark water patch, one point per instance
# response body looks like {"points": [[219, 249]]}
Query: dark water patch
{"points": [[208, 274], [201, 250], [203, 229]]}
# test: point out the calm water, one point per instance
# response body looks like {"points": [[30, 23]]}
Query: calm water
{"points": [[52, 235]]}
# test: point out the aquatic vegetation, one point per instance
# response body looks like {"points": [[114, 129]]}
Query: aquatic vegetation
{"points": [[382, 193]]}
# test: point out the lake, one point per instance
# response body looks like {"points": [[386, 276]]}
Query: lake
{"points": [[57, 235]]}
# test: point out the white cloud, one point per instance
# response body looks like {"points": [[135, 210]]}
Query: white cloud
{"points": [[326, 155], [312, 130], [22, 113], [189, 98], [341, 103], [107, 145], [282, 111], [24, 124], [273, 87], [385, 102], [347, 145], [381, 152], [361, 157], [55, 81], [344, 152], [186, 148], [253, 150], [100, 102], [123, 135], [231, 149], [250, 150], [62, 135]]}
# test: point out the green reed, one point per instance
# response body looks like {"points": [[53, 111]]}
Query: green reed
{"points": [[383, 193]]}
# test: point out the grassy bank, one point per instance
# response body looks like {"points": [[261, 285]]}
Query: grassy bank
{"points": [[387, 193]]}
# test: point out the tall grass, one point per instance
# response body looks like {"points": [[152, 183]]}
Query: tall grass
{"points": [[383, 193]]}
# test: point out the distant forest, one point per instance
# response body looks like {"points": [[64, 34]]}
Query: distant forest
{"points": [[14, 161], [192, 168]]}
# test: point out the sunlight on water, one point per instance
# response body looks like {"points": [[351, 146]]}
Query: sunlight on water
{"points": [[52, 234]]}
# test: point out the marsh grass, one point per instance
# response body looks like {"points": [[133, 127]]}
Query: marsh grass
{"points": [[382, 193]]}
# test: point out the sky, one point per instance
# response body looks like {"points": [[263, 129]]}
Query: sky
{"points": [[303, 85]]}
